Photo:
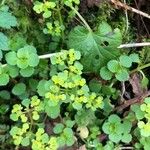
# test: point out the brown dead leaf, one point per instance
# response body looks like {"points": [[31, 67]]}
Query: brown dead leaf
{"points": [[92, 3], [135, 82], [82, 147]]}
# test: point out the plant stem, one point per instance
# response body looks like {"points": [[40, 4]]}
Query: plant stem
{"points": [[82, 19], [3, 1], [140, 68], [60, 19]]}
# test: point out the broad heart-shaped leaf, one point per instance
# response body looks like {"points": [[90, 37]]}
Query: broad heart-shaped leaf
{"points": [[7, 20], [98, 47]]}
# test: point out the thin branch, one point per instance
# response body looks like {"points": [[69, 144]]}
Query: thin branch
{"points": [[134, 45], [126, 7], [127, 103]]}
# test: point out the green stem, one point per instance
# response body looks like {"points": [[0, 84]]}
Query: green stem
{"points": [[140, 68], [82, 19], [3, 1], [31, 120], [60, 20]]}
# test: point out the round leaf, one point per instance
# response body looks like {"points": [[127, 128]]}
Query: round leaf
{"points": [[19, 89]]}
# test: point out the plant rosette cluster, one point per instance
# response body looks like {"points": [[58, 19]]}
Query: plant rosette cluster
{"points": [[65, 133], [43, 142], [117, 131], [119, 68], [53, 10], [25, 59], [27, 114], [67, 85]]}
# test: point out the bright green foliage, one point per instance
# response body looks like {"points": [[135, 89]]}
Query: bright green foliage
{"points": [[97, 47], [19, 112], [6, 19], [74, 106], [116, 130], [145, 126], [68, 79], [66, 134], [119, 68], [25, 58], [50, 10], [18, 135], [45, 8], [42, 141]]}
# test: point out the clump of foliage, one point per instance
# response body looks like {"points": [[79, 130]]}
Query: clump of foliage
{"points": [[64, 83]]}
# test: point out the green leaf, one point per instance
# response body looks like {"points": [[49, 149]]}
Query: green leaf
{"points": [[26, 102], [114, 118], [5, 94], [33, 60], [7, 20], [1, 54], [139, 114], [125, 61], [113, 66], [45, 138], [4, 79], [135, 58], [3, 42], [105, 73], [13, 71], [98, 47], [27, 72], [13, 131], [115, 137], [144, 82], [25, 141], [95, 86], [22, 63], [19, 89], [122, 75], [14, 117], [127, 125], [4, 109], [52, 112], [58, 128], [41, 89], [11, 58], [126, 138], [77, 105], [69, 123]]}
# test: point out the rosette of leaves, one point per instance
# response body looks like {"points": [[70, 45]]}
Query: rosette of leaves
{"points": [[25, 59], [119, 68], [65, 132], [117, 130], [67, 85], [26, 114], [50, 10], [98, 47], [43, 141]]}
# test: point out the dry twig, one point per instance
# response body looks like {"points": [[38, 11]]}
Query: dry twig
{"points": [[126, 7]]}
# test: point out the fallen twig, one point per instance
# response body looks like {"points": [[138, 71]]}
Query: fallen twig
{"points": [[127, 103], [134, 45], [126, 7]]}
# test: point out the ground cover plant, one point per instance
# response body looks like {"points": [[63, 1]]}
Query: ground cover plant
{"points": [[68, 81]]}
